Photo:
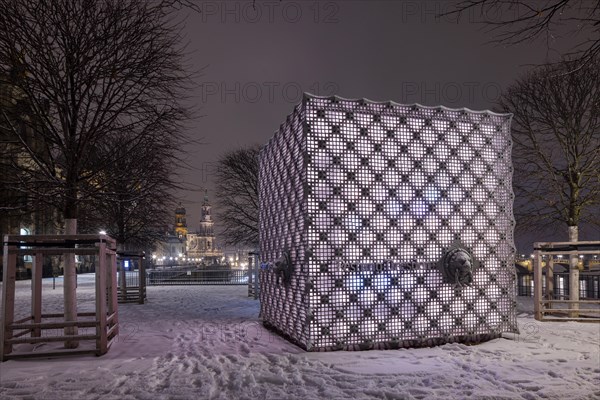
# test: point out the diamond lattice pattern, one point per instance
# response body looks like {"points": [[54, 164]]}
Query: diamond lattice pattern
{"points": [[367, 197]]}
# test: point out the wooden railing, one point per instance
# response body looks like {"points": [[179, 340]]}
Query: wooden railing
{"points": [[546, 306], [104, 319]]}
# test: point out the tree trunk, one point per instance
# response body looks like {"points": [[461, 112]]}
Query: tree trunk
{"points": [[573, 274], [70, 285]]}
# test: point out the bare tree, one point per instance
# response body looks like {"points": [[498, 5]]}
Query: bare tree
{"points": [[89, 71], [556, 134], [137, 191], [556, 156], [517, 21], [237, 185], [15, 203]]}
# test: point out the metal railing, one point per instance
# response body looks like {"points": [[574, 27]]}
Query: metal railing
{"points": [[589, 285], [198, 277], [131, 277]]}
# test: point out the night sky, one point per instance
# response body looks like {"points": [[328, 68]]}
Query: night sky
{"points": [[255, 63]]}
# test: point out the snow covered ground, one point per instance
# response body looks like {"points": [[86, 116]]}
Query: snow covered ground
{"points": [[206, 342]]}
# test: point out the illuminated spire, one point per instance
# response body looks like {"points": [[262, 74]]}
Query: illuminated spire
{"points": [[180, 222]]}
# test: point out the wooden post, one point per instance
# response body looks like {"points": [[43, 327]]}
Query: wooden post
{"points": [[250, 279], [122, 279], [70, 287], [256, 280], [537, 283], [111, 280], [573, 287], [550, 281], [110, 283], [574, 275], [36, 293], [101, 341], [9, 276], [142, 280]]}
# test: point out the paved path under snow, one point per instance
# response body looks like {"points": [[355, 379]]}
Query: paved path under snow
{"points": [[206, 342]]}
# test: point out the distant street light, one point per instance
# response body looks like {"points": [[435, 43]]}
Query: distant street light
{"points": [[102, 232]]}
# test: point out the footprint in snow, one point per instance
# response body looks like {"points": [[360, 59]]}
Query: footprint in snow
{"points": [[244, 349]]}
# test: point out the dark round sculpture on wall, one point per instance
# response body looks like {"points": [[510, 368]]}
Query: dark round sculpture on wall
{"points": [[284, 267], [457, 266]]}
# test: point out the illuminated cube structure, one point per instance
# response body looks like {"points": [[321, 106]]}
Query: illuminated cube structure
{"points": [[361, 203]]}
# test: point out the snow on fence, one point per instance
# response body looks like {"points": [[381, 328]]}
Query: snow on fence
{"points": [[547, 305], [46, 328], [387, 225]]}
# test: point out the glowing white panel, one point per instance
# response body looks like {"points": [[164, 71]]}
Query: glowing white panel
{"points": [[367, 198]]}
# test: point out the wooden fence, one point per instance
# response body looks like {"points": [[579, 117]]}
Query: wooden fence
{"points": [[547, 305], [33, 329]]}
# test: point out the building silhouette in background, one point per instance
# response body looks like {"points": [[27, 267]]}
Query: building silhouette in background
{"points": [[201, 244], [22, 212], [180, 246], [181, 229]]}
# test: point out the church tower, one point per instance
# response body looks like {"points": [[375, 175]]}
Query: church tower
{"points": [[206, 233], [201, 244], [180, 223]]}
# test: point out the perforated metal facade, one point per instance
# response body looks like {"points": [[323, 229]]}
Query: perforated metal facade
{"points": [[367, 198]]}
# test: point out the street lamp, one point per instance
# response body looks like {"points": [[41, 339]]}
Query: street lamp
{"points": [[102, 232]]}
